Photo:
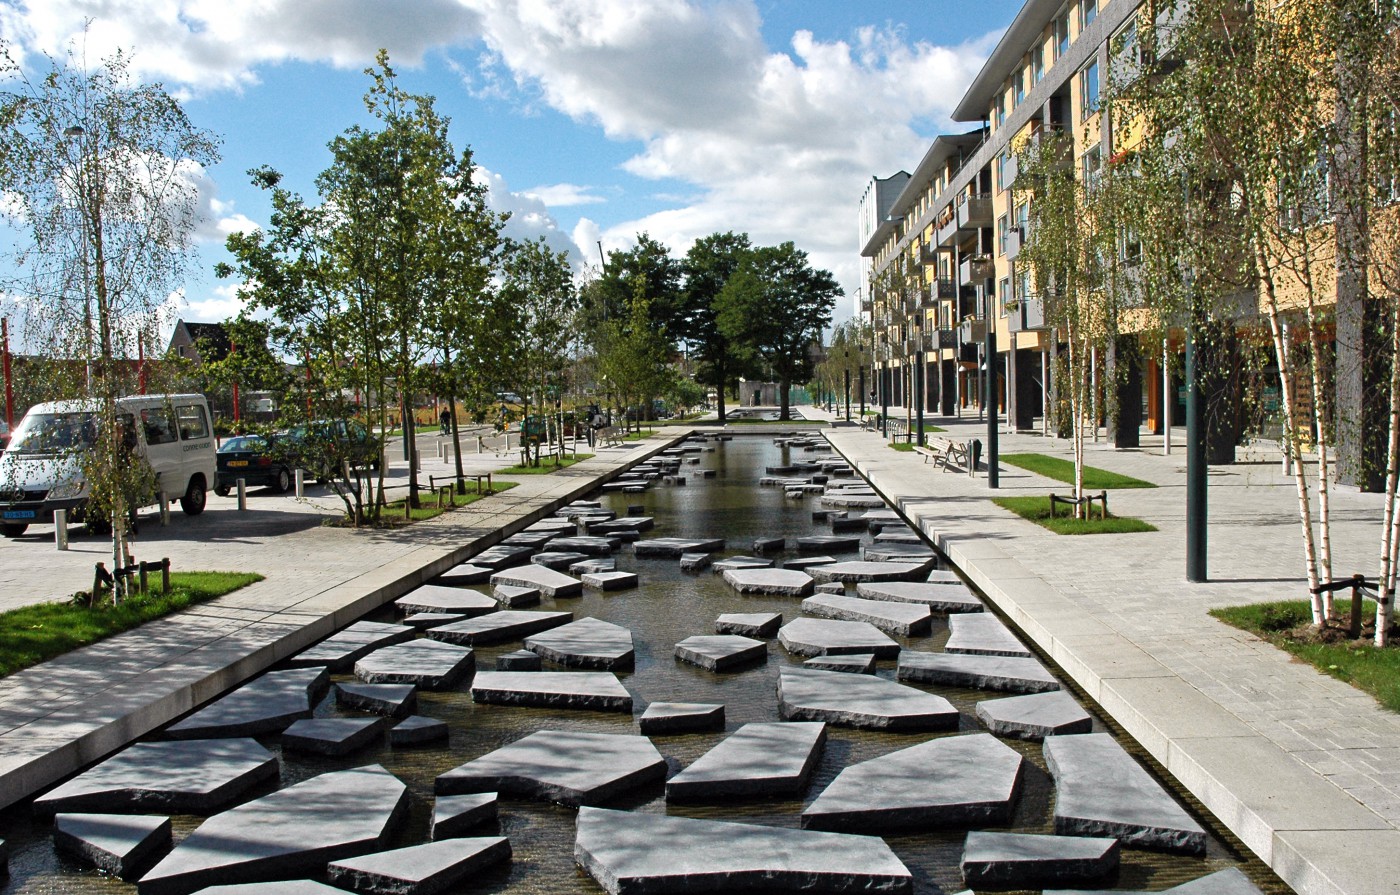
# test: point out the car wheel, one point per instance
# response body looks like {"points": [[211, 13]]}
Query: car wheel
{"points": [[13, 529], [193, 501], [222, 490], [283, 484]]}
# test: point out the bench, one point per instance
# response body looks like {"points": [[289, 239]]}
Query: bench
{"points": [[948, 453], [609, 436]]}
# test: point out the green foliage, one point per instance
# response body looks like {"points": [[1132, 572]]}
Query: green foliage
{"points": [[546, 465], [1037, 510], [539, 291], [708, 266], [1061, 470]]}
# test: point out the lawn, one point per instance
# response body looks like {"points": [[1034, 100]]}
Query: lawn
{"points": [[1037, 510], [391, 514], [34, 634], [1287, 624], [1060, 470], [547, 465]]}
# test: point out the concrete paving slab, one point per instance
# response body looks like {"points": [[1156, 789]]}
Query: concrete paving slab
{"points": [[1028, 861], [1004, 673], [428, 663], [1222, 882], [456, 815], [674, 547], [547, 581], [647, 854], [938, 596], [721, 652], [759, 760], [173, 776], [858, 570], [439, 598], [419, 869], [332, 736], [860, 700], [339, 651], [907, 619], [749, 624], [777, 582], [464, 573], [264, 706], [596, 690], [956, 781], [823, 637], [982, 634], [498, 627], [662, 718], [519, 660], [586, 643], [417, 730], [1034, 716], [610, 581], [856, 663], [514, 597], [121, 844], [569, 767], [390, 700], [294, 830]]}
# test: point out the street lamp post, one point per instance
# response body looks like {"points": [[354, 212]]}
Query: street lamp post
{"points": [[982, 270], [846, 365]]}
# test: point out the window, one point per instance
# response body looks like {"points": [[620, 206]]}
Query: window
{"points": [[999, 111], [1023, 218], [193, 423], [1090, 164], [1004, 290], [1124, 45], [158, 425], [1061, 35], [1088, 11], [1129, 247], [1006, 169], [1089, 90], [1003, 230], [1037, 63], [1018, 83]]}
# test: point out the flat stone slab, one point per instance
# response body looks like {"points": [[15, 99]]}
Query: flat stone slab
{"points": [[892, 618], [676, 546], [437, 598], [546, 580], [823, 637], [861, 700], [982, 634], [419, 869], [589, 545], [266, 705], [512, 597], [649, 854], [558, 559], [332, 736], [339, 651], [569, 767], [390, 700], [1223, 882], [681, 717], [694, 562], [586, 643], [504, 556], [296, 830], [800, 563], [1100, 789], [120, 844], [532, 539], [597, 690], [466, 573], [455, 815], [280, 887], [520, 660], [1035, 717], [756, 761], [721, 652], [768, 545], [777, 582], [1029, 861], [857, 663], [859, 570], [944, 598], [830, 587], [742, 562], [887, 552], [857, 499], [943, 576], [593, 566], [431, 664], [824, 543], [1003, 673], [498, 627], [171, 776], [956, 781], [422, 621], [749, 624], [610, 581], [417, 730]]}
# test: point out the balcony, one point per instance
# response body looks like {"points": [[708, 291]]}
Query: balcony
{"points": [[928, 254], [965, 273], [946, 230], [974, 211], [866, 306], [1012, 242], [971, 331], [946, 288], [945, 338], [1026, 315]]}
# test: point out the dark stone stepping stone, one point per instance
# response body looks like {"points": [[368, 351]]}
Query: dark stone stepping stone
{"points": [[721, 652], [898, 536], [850, 498], [436, 598], [610, 581], [842, 523], [586, 643], [858, 570], [756, 761], [1034, 717], [907, 619], [897, 553], [777, 582], [513, 597], [1101, 790], [947, 598], [586, 544], [768, 545], [547, 581], [596, 690], [952, 781], [982, 634], [466, 573], [863, 701], [593, 566], [422, 621], [741, 562], [532, 539], [694, 562], [520, 660], [419, 869], [558, 559], [498, 627], [455, 815], [391, 700], [293, 831], [339, 651], [674, 547], [172, 776], [828, 543], [265, 706], [821, 637], [631, 852], [417, 730], [569, 767], [625, 524], [749, 624], [802, 563], [332, 736], [1028, 861], [857, 663], [430, 664], [505, 556], [121, 844], [1003, 673], [681, 717], [879, 520]]}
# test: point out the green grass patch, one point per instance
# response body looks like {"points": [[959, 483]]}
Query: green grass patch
{"points": [[750, 421], [34, 634], [1287, 624], [1037, 510], [391, 514], [903, 447], [1061, 470], [547, 465]]}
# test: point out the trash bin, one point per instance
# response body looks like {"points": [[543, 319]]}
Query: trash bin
{"points": [[976, 453]]}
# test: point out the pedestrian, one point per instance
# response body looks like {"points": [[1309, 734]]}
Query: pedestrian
{"points": [[446, 420]]}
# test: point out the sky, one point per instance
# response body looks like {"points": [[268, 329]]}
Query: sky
{"points": [[590, 120]]}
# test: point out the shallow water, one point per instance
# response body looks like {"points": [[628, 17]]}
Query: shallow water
{"points": [[670, 606]]}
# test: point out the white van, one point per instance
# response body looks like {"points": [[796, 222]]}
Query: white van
{"points": [[40, 472]]}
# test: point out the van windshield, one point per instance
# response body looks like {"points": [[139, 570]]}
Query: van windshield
{"points": [[52, 433]]}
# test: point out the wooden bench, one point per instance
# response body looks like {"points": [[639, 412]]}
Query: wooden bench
{"points": [[948, 453], [609, 436]]}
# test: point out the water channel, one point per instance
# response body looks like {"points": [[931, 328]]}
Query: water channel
{"points": [[669, 606]]}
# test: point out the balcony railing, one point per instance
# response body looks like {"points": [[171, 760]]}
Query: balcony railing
{"points": [[946, 229], [928, 254], [974, 211], [972, 331], [1026, 314], [1013, 239], [946, 288], [946, 338]]}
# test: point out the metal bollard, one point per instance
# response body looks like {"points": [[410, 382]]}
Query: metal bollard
{"points": [[300, 476], [164, 509], [480, 443], [242, 495], [60, 529]]}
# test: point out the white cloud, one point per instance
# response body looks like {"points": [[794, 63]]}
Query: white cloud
{"points": [[562, 195], [530, 217], [223, 303]]}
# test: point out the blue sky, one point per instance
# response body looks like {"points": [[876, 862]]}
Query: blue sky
{"points": [[590, 119]]}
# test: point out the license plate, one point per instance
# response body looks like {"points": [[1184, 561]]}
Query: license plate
{"points": [[238, 463], [19, 514]]}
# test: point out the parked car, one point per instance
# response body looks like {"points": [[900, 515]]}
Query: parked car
{"points": [[4, 434], [321, 445], [254, 459]]}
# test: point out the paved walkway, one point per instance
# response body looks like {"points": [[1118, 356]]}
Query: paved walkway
{"points": [[1304, 769], [65, 713]]}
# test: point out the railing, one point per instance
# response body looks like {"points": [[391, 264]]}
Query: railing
{"points": [[974, 211], [946, 288]]}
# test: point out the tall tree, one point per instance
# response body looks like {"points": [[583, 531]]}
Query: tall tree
{"points": [[611, 295], [539, 288], [707, 267]]}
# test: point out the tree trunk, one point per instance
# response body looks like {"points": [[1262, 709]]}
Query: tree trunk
{"points": [[784, 387]]}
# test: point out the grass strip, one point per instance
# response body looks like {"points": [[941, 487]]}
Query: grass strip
{"points": [[1037, 510], [1287, 624], [547, 465], [33, 634], [1062, 470]]}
